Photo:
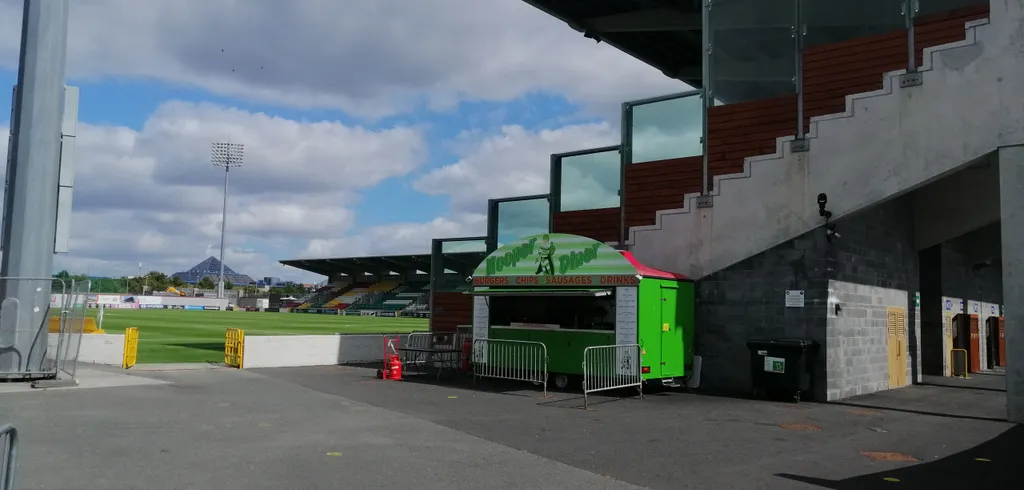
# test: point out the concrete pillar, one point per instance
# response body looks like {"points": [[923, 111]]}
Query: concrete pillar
{"points": [[1011, 202], [932, 351]]}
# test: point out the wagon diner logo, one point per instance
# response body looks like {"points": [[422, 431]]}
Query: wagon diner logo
{"points": [[555, 260], [546, 259], [511, 258]]}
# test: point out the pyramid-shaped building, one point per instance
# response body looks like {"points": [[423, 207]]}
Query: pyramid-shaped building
{"points": [[211, 268]]}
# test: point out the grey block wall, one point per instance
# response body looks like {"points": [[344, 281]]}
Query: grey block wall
{"points": [[877, 268], [873, 266], [858, 342], [748, 300]]}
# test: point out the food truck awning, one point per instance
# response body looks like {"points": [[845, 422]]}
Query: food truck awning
{"points": [[646, 271], [540, 292], [553, 261]]}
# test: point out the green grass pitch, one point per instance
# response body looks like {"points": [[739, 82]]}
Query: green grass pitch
{"points": [[198, 336]]}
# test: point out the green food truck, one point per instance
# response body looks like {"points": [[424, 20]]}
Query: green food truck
{"points": [[571, 292]]}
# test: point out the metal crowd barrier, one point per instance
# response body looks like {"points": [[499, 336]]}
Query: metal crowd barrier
{"points": [[611, 367], [234, 347], [8, 456], [514, 360]]}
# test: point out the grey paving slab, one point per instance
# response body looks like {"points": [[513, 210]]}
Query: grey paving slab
{"points": [[674, 440], [230, 429]]}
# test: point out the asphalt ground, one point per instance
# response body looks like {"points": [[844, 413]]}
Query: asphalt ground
{"points": [[339, 427]]}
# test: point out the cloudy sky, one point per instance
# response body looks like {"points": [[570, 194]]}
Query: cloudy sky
{"points": [[370, 127]]}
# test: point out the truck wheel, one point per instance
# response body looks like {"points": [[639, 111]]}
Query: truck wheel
{"points": [[561, 381]]}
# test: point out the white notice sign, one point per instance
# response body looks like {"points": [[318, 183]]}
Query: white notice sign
{"points": [[794, 298], [626, 328], [481, 322]]}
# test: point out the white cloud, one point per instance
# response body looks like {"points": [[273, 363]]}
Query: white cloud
{"points": [[365, 57], [152, 195], [514, 162]]}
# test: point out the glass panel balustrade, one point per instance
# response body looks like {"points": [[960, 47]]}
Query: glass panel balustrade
{"points": [[753, 50], [589, 180], [666, 127], [517, 218]]}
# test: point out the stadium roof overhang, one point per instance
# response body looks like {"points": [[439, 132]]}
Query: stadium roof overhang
{"points": [[665, 34], [460, 262]]}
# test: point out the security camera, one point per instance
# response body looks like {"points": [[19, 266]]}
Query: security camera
{"points": [[469, 278], [822, 201]]}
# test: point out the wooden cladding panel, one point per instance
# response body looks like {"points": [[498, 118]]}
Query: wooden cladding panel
{"points": [[600, 224], [650, 187], [449, 310], [747, 129], [833, 71]]}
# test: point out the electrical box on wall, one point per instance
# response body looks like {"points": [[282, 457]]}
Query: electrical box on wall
{"points": [[69, 125]]}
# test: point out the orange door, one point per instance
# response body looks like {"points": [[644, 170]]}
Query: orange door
{"points": [[1002, 342], [975, 348]]}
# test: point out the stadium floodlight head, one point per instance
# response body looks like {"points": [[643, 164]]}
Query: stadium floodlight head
{"points": [[225, 155]]}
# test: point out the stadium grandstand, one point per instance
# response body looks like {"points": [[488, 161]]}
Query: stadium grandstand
{"points": [[397, 285]]}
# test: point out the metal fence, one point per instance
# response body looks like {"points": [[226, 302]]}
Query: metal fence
{"points": [[514, 360], [8, 456], [611, 367], [25, 350]]}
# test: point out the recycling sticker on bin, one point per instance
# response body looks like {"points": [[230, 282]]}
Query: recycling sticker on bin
{"points": [[774, 364]]}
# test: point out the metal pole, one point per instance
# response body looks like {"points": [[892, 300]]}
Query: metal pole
{"points": [[32, 181], [223, 228], [225, 155]]}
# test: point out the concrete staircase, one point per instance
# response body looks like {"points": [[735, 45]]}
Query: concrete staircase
{"points": [[886, 143]]}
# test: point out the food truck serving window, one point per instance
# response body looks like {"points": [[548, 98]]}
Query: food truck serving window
{"points": [[573, 310]]}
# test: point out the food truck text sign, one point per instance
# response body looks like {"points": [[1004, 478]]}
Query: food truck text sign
{"points": [[481, 321], [556, 260], [626, 301]]}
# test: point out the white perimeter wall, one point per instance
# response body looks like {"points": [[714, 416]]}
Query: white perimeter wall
{"points": [[897, 139], [313, 350], [95, 348]]}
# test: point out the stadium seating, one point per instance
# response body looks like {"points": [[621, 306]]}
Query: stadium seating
{"points": [[325, 295], [391, 297], [347, 297]]}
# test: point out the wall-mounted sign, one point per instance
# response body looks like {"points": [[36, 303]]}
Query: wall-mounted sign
{"points": [[556, 260], [795, 298]]}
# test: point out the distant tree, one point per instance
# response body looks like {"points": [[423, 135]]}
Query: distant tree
{"points": [[177, 282], [206, 283], [229, 285]]}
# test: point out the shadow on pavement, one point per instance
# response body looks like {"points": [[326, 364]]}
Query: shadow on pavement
{"points": [[993, 464], [919, 412]]}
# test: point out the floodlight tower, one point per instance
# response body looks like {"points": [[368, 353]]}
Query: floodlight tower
{"points": [[225, 155]]}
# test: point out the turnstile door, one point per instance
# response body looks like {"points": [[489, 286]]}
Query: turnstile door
{"points": [[974, 352], [992, 341]]}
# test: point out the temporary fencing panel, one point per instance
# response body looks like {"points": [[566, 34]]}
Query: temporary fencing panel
{"points": [[69, 344], [131, 347], [611, 367], [22, 352], [234, 347], [514, 360], [8, 456]]}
